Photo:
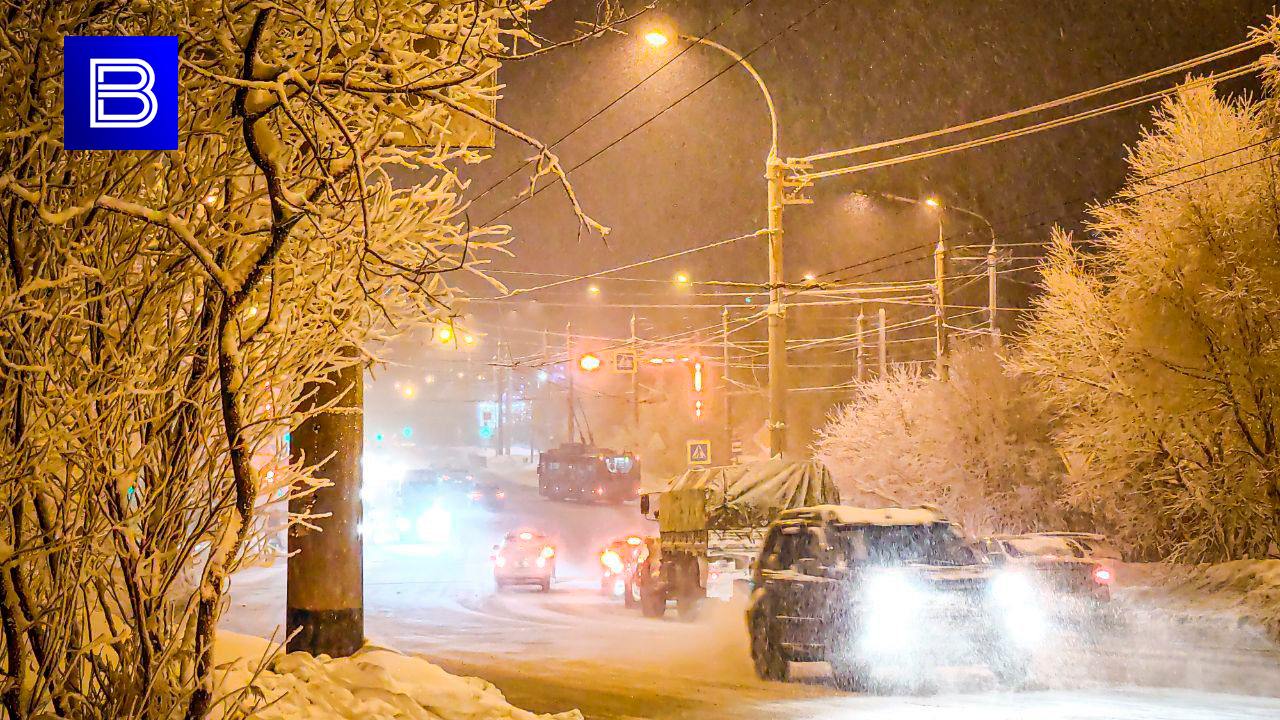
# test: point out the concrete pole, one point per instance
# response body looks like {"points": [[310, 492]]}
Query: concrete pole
{"points": [[774, 172], [860, 373], [324, 595], [500, 379], [725, 385], [992, 297], [882, 339], [941, 359], [635, 380], [569, 372]]}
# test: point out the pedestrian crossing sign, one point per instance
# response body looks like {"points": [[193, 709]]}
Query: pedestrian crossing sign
{"points": [[699, 452], [624, 362]]}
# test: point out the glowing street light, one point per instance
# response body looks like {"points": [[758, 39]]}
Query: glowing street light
{"points": [[408, 391], [656, 38], [445, 334], [589, 362], [933, 202], [593, 289], [469, 339], [682, 278]]}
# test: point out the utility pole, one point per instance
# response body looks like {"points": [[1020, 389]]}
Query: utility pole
{"points": [[546, 414], [861, 362], [635, 380], [992, 298], [500, 378], [941, 359], [324, 593], [884, 344], [725, 385], [568, 375], [775, 172]]}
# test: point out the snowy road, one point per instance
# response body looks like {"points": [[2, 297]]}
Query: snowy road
{"points": [[574, 648]]}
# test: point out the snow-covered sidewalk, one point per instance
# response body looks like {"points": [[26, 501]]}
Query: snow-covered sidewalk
{"points": [[255, 676]]}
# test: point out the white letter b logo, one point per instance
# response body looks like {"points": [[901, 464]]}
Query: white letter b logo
{"points": [[141, 91]]}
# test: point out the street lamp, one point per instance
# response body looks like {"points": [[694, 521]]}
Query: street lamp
{"points": [[775, 173], [656, 38]]}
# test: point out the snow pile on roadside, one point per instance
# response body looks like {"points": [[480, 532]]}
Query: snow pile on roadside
{"points": [[516, 469], [374, 683], [1246, 589]]}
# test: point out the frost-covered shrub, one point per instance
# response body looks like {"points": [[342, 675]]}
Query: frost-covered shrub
{"points": [[977, 446]]}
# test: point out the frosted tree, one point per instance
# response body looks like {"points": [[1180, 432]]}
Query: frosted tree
{"points": [[977, 446], [1157, 341], [162, 313]]}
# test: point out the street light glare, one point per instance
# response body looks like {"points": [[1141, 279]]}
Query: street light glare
{"points": [[656, 38], [594, 289], [933, 202], [682, 278]]}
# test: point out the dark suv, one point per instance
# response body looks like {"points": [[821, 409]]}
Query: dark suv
{"points": [[878, 590]]}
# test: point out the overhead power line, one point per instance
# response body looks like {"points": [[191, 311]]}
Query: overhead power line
{"points": [[1030, 129], [1093, 92]]}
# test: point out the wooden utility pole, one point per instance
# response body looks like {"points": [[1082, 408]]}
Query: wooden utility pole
{"points": [[324, 594], [992, 298], [775, 173], [941, 359], [572, 426], [883, 342], [860, 374]]}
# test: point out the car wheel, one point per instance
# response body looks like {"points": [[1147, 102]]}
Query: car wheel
{"points": [[766, 654], [851, 675], [1011, 668], [630, 594], [546, 585]]}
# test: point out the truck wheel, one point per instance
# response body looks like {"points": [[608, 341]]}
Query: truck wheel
{"points": [[766, 654], [688, 604], [653, 601]]}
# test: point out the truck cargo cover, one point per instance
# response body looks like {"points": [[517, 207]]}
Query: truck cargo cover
{"points": [[745, 495]]}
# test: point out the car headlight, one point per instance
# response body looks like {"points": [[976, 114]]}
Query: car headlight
{"points": [[435, 525], [1019, 607], [1011, 588], [892, 594]]}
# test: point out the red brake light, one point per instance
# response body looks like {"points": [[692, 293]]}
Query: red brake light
{"points": [[1102, 576]]}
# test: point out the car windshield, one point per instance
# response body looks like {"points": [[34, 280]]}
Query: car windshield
{"points": [[934, 544], [1044, 545]]}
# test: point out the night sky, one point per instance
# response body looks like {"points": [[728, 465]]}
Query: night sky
{"points": [[848, 73]]}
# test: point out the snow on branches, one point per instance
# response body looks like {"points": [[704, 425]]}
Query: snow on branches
{"points": [[977, 446], [161, 313], [1158, 345]]}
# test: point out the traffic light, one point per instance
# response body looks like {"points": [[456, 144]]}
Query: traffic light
{"points": [[697, 389], [589, 362]]}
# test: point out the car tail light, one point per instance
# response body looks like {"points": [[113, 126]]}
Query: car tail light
{"points": [[1103, 576], [599, 491], [476, 496]]}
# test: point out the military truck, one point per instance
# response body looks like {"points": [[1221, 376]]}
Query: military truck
{"points": [[711, 523]]}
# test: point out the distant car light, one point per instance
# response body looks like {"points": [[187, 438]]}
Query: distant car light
{"points": [[633, 540], [1103, 576], [612, 561], [526, 536]]}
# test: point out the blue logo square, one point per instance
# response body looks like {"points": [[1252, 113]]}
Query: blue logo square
{"points": [[120, 92]]}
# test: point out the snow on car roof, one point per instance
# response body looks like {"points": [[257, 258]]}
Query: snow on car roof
{"points": [[849, 515]]}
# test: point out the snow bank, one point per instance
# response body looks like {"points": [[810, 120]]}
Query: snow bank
{"points": [[254, 676], [1245, 589]]}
